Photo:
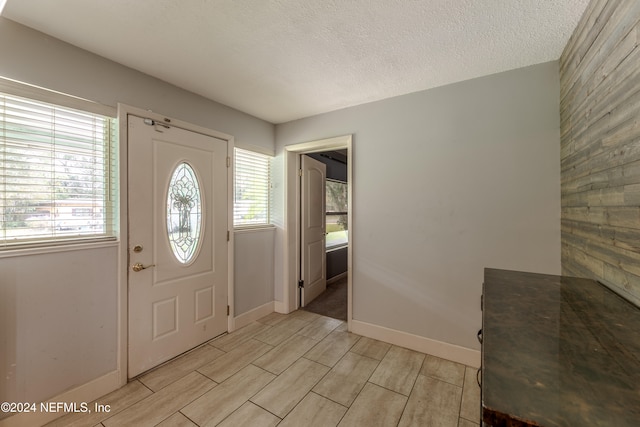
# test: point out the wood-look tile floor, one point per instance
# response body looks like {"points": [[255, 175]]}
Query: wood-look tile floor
{"points": [[300, 369]]}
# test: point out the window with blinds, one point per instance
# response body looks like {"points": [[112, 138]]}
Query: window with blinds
{"points": [[57, 174], [251, 189]]}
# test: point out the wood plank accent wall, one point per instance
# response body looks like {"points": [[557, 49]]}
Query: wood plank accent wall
{"points": [[600, 147]]}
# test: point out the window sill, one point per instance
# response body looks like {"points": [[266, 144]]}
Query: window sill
{"points": [[68, 247], [254, 228], [337, 248]]}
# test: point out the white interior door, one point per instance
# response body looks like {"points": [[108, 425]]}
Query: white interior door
{"points": [[177, 241], [313, 257]]}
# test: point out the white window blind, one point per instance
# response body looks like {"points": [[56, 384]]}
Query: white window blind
{"points": [[57, 174], [251, 188]]}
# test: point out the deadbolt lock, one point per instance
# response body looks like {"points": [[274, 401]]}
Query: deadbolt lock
{"points": [[137, 248]]}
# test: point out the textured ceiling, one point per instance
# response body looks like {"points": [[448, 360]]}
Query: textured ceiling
{"points": [[286, 59]]}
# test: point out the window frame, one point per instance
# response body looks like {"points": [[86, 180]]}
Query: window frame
{"points": [[335, 213], [111, 234]]}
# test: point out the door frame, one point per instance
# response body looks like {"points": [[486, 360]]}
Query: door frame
{"points": [[124, 111], [292, 217]]}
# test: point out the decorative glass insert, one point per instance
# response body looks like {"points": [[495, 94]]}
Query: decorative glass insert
{"points": [[184, 213]]}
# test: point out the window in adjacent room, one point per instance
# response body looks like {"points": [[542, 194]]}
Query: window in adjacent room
{"points": [[251, 189], [58, 170], [337, 210]]}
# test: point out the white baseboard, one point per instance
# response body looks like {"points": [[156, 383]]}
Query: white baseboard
{"points": [[337, 278], [253, 315], [452, 352], [279, 307], [85, 393]]}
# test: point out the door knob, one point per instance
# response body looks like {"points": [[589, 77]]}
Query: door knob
{"points": [[139, 267]]}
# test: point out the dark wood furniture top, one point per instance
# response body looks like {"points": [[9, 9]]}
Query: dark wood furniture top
{"points": [[558, 351]]}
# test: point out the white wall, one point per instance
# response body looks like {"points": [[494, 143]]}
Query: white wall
{"points": [[60, 311], [277, 219], [446, 182], [58, 327], [253, 272]]}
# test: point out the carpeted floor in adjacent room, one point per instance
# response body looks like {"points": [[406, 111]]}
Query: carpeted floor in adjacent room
{"points": [[332, 302]]}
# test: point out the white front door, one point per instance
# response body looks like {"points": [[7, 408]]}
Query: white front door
{"points": [[313, 269], [177, 241]]}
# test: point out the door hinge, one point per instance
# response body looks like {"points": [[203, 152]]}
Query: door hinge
{"points": [[228, 235], [228, 162], [301, 283], [300, 172], [228, 310]]}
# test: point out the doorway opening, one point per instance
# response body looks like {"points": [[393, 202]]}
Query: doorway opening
{"points": [[332, 302], [339, 147]]}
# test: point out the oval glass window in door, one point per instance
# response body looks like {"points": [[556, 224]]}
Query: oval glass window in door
{"points": [[184, 213]]}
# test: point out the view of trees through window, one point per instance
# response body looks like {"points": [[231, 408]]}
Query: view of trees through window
{"points": [[337, 208], [55, 171]]}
